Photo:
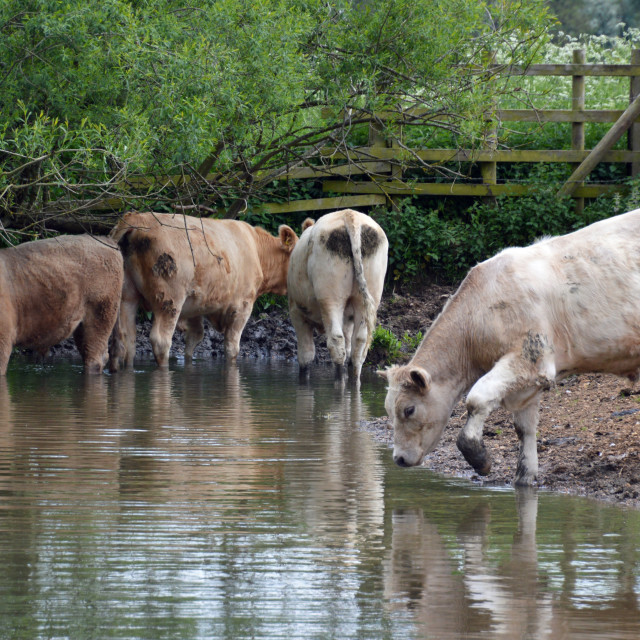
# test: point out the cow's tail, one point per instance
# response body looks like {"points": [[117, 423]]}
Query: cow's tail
{"points": [[353, 227]]}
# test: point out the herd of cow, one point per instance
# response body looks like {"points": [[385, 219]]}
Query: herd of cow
{"points": [[519, 321]]}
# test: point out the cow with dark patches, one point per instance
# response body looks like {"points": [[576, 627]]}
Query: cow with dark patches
{"points": [[335, 281], [55, 288], [184, 268], [518, 322]]}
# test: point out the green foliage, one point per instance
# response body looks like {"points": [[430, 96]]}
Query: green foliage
{"points": [[395, 348], [425, 243], [96, 95], [269, 301]]}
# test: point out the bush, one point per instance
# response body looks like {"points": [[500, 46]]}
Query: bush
{"points": [[424, 243]]}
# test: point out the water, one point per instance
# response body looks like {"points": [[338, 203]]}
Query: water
{"points": [[232, 502]]}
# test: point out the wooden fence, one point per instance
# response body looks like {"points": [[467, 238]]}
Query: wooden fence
{"points": [[382, 165]]}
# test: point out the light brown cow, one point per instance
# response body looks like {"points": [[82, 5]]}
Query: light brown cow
{"points": [[181, 267], [335, 281], [519, 321], [52, 289]]}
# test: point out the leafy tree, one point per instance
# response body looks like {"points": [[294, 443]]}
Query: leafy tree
{"points": [[160, 103]]}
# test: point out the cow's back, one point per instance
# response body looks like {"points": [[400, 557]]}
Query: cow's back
{"points": [[321, 266], [207, 263], [580, 292]]}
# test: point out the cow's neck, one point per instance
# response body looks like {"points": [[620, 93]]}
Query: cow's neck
{"points": [[447, 354], [271, 262]]}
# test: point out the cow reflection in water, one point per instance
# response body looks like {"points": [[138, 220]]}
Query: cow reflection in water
{"points": [[41, 426], [503, 599], [475, 593], [346, 485]]}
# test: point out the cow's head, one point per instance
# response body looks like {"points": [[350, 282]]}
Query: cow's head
{"points": [[418, 410], [275, 261]]}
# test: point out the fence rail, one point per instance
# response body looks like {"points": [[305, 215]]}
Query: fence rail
{"points": [[384, 180]]}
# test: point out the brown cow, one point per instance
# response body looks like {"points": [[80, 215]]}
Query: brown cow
{"points": [[519, 321], [181, 267], [52, 289]]}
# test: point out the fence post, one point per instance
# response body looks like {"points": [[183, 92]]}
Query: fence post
{"points": [[577, 128], [633, 139], [489, 170]]}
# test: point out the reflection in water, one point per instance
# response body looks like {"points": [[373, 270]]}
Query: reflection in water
{"points": [[220, 501], [462, 585]]}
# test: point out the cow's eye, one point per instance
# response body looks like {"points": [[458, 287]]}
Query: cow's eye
{"points": [[409, 411]]}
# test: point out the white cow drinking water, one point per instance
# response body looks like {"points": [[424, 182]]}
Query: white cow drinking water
{"points": [[519, 321], [335, 280]]}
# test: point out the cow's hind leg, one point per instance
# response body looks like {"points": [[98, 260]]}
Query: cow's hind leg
{"points": [[92, 334], [5, 353], [359, 344], [161, 334], [233, 332], [332, 322], [304, 338], [349, 329], [123, 339], [193, 336]]}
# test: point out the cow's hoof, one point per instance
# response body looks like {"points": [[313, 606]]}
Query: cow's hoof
{"points": [[525, 478], [475, 453]]}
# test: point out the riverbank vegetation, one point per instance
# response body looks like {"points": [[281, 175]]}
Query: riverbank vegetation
{"points": [[102, 103]]}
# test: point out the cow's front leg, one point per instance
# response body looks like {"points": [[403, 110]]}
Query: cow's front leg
{"points": [[526, 424], [485, 396]]}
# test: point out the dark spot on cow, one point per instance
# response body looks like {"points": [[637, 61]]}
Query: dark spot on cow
{"points": [[165, 266], [338, 242], [500, 306], [533, 347], [167, 307], [370, 241]]}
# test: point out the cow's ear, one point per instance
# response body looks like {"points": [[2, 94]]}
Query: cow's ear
{"points": [[383, 373], [309, 222], [288, 237], [420, 378]]}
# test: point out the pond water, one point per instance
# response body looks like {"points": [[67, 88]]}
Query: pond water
{"points": [[210, 501]]}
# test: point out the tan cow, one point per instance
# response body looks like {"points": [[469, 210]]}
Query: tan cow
{"points": [[519, 321], [335, 281], [181, 267], [52, 289]]}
